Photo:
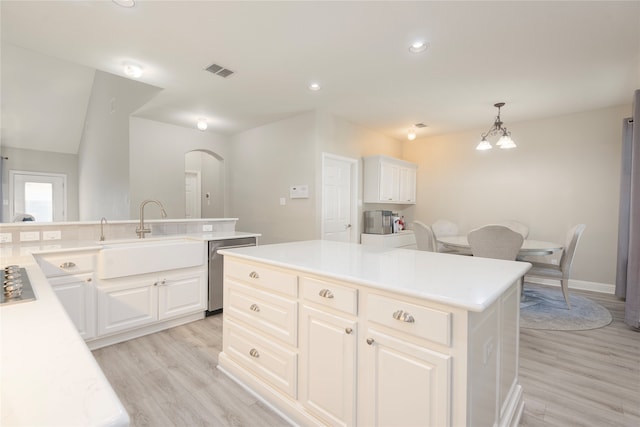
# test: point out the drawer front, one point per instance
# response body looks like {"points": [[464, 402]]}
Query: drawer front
{"points": [[272, 363], [63, 264], [261, 275], [405, 239], [329, 294], [423, 322], [272, 314]]}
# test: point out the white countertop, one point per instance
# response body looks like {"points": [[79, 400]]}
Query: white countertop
{"points": [[48, 375], [469, 282]]}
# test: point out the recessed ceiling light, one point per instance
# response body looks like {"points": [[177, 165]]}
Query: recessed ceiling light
{"points": [[132, 71], [314, 86], [411, 134], [125, 3], [202, 124], [418, 47]]}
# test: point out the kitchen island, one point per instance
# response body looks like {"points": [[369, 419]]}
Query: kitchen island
{"points": [[332, 333]]}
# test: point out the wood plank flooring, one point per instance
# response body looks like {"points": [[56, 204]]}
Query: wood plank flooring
{"points": [[577, 378]]}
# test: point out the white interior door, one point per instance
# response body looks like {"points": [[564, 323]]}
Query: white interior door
{"points": [[40, 195], [339, 198], [193, 205]]}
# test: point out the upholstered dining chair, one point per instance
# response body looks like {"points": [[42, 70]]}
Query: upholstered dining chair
{"points": [[444, 228], [495, 241], [425, 239], [562, 270], [516, 226]]}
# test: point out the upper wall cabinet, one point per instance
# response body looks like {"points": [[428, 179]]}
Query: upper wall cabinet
{"points": [[389, 180]]}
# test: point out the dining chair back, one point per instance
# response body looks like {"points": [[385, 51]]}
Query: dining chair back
{"points": [[516, 226], [445, 228], [425, 239], [495, 241], [562, 270]]}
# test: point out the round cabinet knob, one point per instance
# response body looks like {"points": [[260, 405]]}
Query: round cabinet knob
{"points": [[254, 307], [89, 279], [348, 330], [254, 353], [370, 341]]}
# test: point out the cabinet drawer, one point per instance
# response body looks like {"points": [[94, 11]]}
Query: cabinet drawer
{"points": [[62, 264], [329, 295], [272, 314], [423, 322], [272, 363], [261, 275]]}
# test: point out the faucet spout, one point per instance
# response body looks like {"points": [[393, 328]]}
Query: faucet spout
{"points": [[103, 221], [141, 230]]}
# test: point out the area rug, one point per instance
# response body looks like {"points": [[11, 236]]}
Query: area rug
{"points": [[544, 308]]}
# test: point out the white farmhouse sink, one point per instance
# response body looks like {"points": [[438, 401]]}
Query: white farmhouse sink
{"points": [[141, 256]]}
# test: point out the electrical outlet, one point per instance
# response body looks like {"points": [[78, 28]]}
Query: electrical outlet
{"points": [[29, 236], [283, 201], [5, 238], [207, 227], [51, 235]]}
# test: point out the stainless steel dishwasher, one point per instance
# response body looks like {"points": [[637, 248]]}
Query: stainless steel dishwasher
{"points": [[216, 273]]}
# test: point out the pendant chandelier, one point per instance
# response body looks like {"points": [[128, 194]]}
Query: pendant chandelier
{"points": [[505, 140]]}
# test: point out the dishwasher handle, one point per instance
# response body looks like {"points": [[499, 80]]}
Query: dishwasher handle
{"points": [[233, 247]]}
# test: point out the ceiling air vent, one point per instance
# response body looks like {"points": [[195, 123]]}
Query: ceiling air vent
{"points": [[420, 125], [219, 70]]}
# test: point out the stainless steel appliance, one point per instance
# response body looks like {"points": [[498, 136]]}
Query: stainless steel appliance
{"points": [[378, 222], [216, 273], [16, 286]]}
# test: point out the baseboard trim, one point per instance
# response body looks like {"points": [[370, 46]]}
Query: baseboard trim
{"points": [[604, 288]]}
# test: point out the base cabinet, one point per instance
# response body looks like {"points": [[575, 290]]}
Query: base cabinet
{"points": [[77, 294], [327, 374], [367, 357], [128, 303], [403, 384]]}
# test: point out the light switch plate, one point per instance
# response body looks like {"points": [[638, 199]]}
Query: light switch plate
{"points": [[51, 235], [207, 227], [29, 236]]}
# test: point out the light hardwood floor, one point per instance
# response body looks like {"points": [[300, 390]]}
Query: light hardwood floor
{"points": [[578, 378]]}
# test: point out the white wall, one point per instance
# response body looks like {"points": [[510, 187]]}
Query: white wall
{"points": [[565, 170], [157, 163], [103, 156]]}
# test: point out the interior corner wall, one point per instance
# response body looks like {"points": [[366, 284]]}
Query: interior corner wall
{"points": [[265, 162], [157, 164], [103, 155], [565, 171], [339, 137]]}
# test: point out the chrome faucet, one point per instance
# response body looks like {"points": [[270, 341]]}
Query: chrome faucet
{"points": [[103, 221], [141, 230]]}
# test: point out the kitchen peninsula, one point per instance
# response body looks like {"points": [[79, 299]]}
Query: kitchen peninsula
{"points": [[344, 334]]}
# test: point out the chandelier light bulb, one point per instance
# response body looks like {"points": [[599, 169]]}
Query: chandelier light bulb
{"points": [[202, 124], [484, 145]]}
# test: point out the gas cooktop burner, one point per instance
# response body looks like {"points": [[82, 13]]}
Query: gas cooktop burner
{"points": [[16, 286]]}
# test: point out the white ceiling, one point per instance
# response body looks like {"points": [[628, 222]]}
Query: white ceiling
{"points": [[541, 58]]}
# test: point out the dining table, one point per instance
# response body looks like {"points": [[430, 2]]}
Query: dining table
{"points": [[529, 247]]}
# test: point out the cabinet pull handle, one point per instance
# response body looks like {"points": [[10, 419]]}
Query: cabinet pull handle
{"points": [[254, 307], [348, 330], [325, 293], [403, 316], [254, 275], [89, 279], [370, 341], [67, 264], [254, 353]]}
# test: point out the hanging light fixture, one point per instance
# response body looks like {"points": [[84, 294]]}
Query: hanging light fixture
{"points": [[505, 140], [411, 134]]}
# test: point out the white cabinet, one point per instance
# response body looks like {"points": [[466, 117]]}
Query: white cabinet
{"points": [[71, 276], [78, 297], [403, 239], [328, 341], [128, 303], [389, 180]]}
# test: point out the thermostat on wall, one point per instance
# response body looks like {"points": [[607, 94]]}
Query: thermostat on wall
{"points": [[299, 192]]}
